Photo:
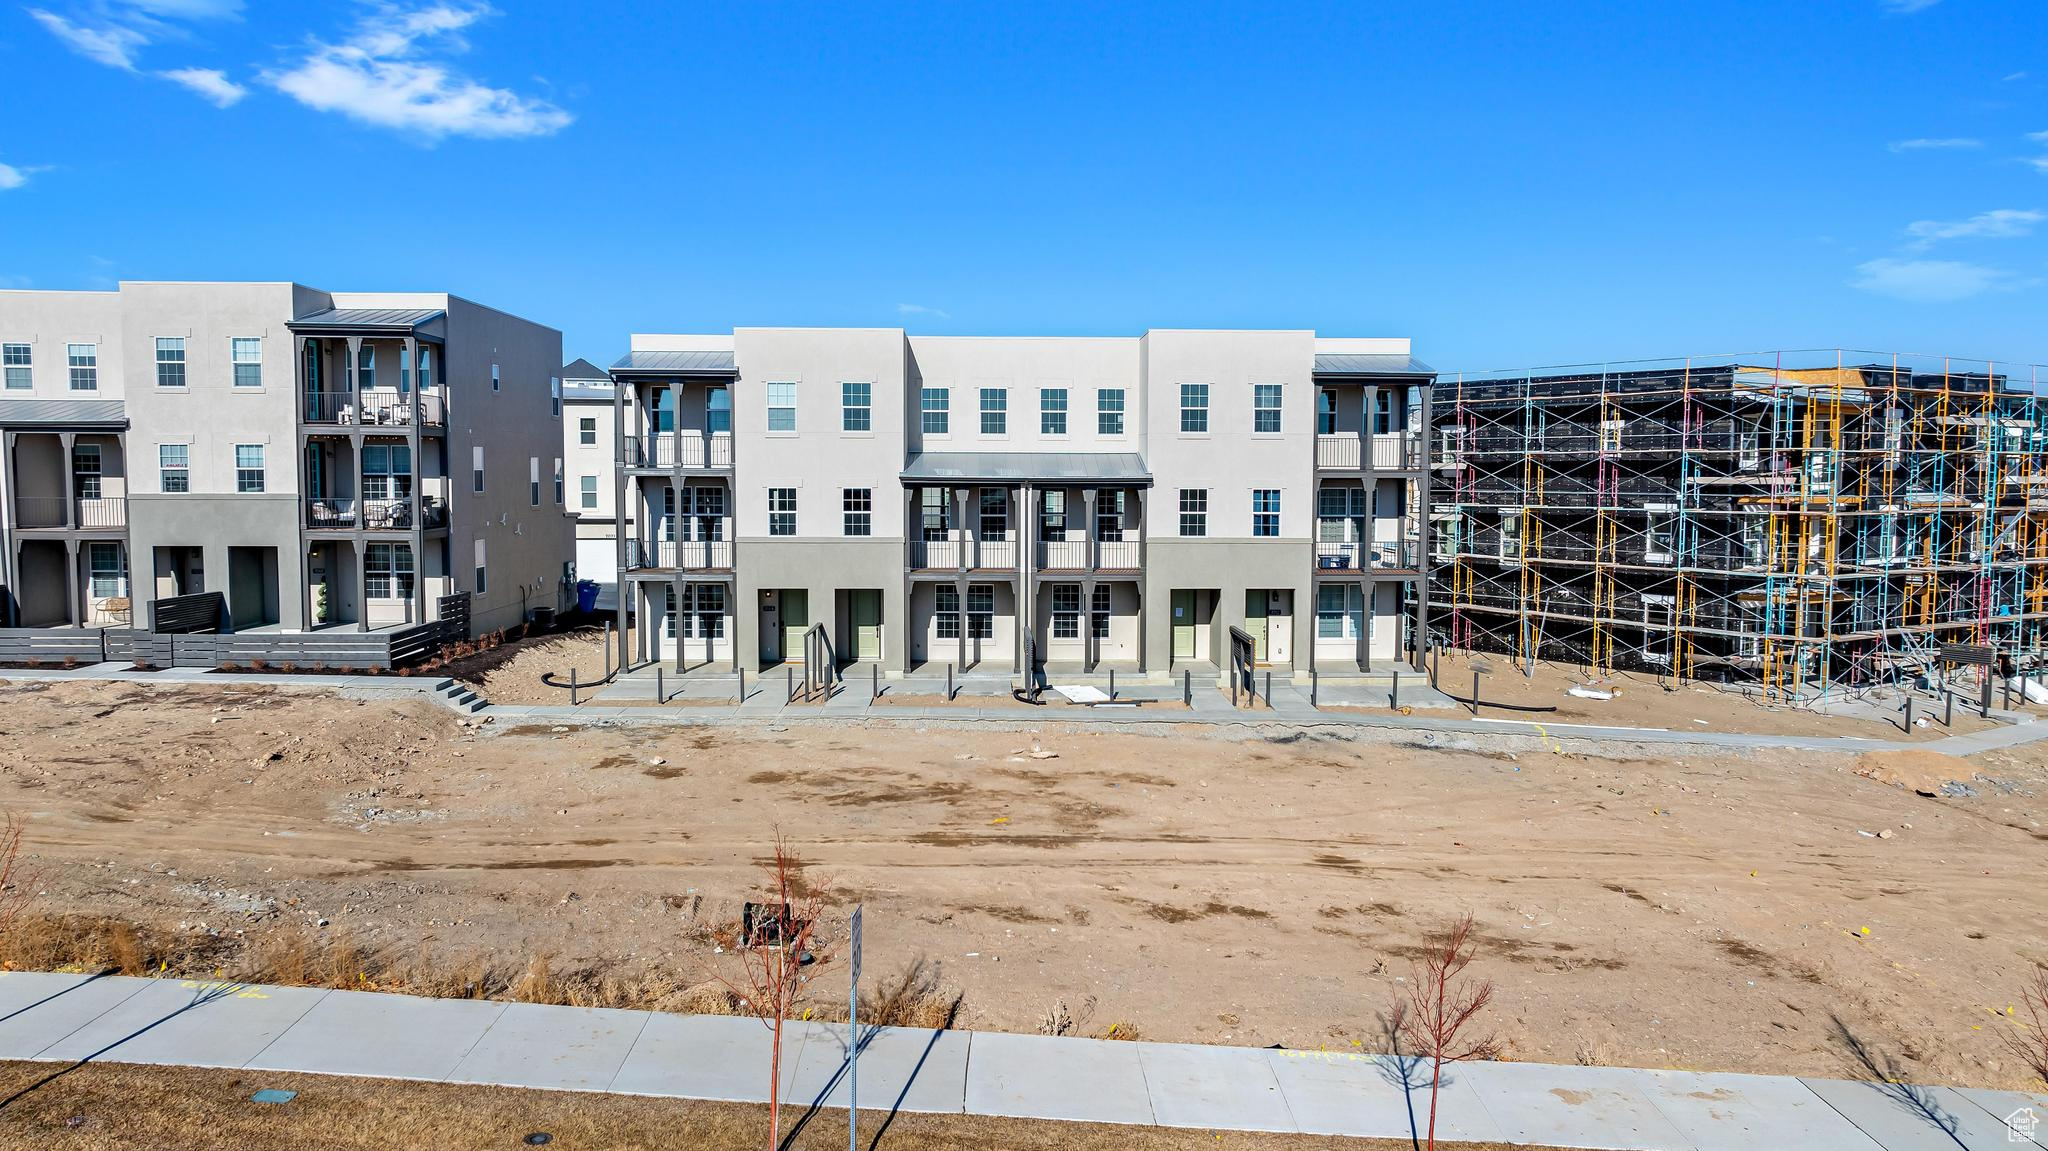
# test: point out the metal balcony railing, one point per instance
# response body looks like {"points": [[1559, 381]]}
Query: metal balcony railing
{"points": [[83, 512], [679, 555], [1117, 555], [373, 408], [684, 450], [1394, 451], [1063, 555], [1354, 555], [1088, 555], [349, 513], [946, 554]]}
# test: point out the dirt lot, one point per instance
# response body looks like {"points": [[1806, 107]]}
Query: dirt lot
{"points": [[511, 673], [1658, 907]]}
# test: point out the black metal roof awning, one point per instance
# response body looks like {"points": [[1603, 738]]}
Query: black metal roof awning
{"points": [[420, 323], [1400, 367], [63, 415], [1079, 468], [718, 364]]}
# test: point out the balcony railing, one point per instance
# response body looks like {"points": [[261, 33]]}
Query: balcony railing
{"points": [[85, 512], [347, 513], [946, 555], [1088, 555], [689, 450], [1390, 452], [373, 409], [679, 555], [1346, 555]]}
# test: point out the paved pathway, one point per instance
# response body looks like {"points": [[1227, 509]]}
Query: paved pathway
{"points": [[1290, 712], [67, 1019]]}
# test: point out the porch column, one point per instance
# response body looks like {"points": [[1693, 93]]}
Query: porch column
{"points": [[959, 532], [70, 481], [7, 515], [1014, 500], [1368, 427], [1090, 553], [305, 568], [410, 351], [362, 583], [621, 524], [732, 621], [1088, 650], [678, 588], [71, 581], [960, 592], [419, 575], [350, 377], [1422, 588], [1370, 590]]}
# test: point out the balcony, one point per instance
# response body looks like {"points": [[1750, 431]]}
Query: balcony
{"points": [[666, 450], [679, 555], [350, 514], [1088, 555], [1381, 555], [948, 554], [1348, 453], [373, 409], [82, 512]]}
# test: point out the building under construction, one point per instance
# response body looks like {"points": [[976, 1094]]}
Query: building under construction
{"points": [[1801, 521]]}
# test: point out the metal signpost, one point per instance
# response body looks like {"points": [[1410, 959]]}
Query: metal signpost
{"points": [[853, 1039]]}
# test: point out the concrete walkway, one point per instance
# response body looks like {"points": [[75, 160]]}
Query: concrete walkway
{"points": [[66, 1020], [1289, 710]]}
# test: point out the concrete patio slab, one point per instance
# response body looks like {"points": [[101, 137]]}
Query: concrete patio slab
{"points": [[381, 1036], [707, 1057], [198, 1023], [552, 1048], [1041, 1077], [1902, 1117], [29, 1029], [1724, 1112], [1229, 1088], [1340, 1093], [1562, 1106], [20, 990], [2004, 1105], [901, 1068]]}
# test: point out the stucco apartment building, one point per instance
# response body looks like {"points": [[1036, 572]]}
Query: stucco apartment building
{"points": [[1100, 503], [325, 460], [590, 443]]}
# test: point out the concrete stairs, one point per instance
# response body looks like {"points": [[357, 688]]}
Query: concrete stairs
{"points": [[455, 695]]}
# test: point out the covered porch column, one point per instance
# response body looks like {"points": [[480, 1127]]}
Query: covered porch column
{"points": [[71, 579], [363, 579]]}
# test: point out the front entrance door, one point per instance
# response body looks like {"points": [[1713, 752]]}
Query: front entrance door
{"points": [[865, 607], [1183, 623], [1255, 602], [771, 629], [796, 620]]}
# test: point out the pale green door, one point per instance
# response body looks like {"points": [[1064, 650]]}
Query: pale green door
{"points": [[1255, 622], [796, 620], [1183, 623], [866, 608]]}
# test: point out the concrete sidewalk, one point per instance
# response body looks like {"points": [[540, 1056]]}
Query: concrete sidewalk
{"points": [[68, 1019], [1288, 711]]}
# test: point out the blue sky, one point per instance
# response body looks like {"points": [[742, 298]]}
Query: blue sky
{"points": [[1509, 184]]}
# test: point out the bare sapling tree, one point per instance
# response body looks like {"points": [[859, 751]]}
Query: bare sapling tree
{"points": [[777, 940], [16, 889], [1434, 1020], [2029, 1038]]}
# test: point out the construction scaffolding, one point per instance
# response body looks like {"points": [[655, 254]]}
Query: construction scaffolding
{"points": [[1805, 521]]}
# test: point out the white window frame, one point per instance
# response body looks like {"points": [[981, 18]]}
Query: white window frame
{"points": [[182, 469], [84, 366], [781, 511], [1194, 409], [1265, 513], [856, 417], [1052, 411], [1109, 411], [586, 431], [994, 407], [19, 361], [250, 480], [935, 407], [170, 362], [781, 401], [246, 352], [587, 493], [1261, 409]]}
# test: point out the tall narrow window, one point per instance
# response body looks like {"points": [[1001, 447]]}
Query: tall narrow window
{"points": [[1109, 516], [1052, 514], [586, 431], [404, 370], [1066, 611], [481, 584], [248, 467], [934, 513], [170, 361], [1052, 411], [1098, 612], [858, 509], [85, 471], [856, 407], [554, 395], [558, 483], [494, 377], [476, 468], [934, 406], [85, 366], [1326, 412], [587, 492], [782, 407], [707, 608], [1194, 408], [427, 371], [174, 467], [946, 611], [1194, 511], [533, 480], [995, 514], [109, 570], [1265, 511], [709, 504], [995, 411], [717, 410], [19, 361], [1109, 412], [247, 354], [366, 368], [781, 511], [1386, 413], [981, 611], [1266, 408]]}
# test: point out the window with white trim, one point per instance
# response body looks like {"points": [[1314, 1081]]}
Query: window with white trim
{"points": [[857, 511], [494, 377], [782, 407], [476, 468], [1109, 411], [781, 511], [170, 361], [558, 482], [856, 407], [174, 467], [18, 359], [84, 361], [588, 492], [1098, 612], [366, 369], [108, 567], [533, 480], [1066, 611], [1266, 408], [1194, 511], [248, 467], [388, 571], [586, 431], [946, 611], [1265, 511], [709, 501], [1337, 609], [246, 353], [481, 584], [981, 611], [387, 472], [555, 395], [934, 407], [85, 471], [995, 411], [1194, 408], [1052, 411]]}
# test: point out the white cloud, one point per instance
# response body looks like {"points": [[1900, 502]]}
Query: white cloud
{"points": [[114, 45], [2038, 137], [1907, 7], [921, 310], [1923, 143], [2012, 77], [2004, 223], [383, 76], [12, 177], [1930, 281], [211, 83]]}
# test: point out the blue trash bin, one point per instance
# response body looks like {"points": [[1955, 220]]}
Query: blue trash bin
{"points": [[586, 595]]}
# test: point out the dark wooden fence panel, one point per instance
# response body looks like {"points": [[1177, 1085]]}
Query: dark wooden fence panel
{"points": [[453, 613], [51, 645], [185, 614]]}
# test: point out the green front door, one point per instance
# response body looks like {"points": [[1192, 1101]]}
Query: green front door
{"points": [[1183, 623], [865, 605], [796, 620], [1255, 622]]}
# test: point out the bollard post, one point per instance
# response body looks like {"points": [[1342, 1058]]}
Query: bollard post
{"points": [[1948, 708], [949, 683], [790, 673], [1315, 679], [1233, 686], [1394, 695], [1269, 689], [1112, 683], [573, 701], [1187, 688], [743, 685], [1909, 713], [1475, 693], [874, 682], [659, 695], [607, 649]]}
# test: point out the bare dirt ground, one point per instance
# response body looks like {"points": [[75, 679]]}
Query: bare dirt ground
{"points": [[511, 674], [1674, 907], [1645, 700]]}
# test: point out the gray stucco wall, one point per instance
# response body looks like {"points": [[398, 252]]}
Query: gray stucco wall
{"points": [[1230, 567], [821, 568]]}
